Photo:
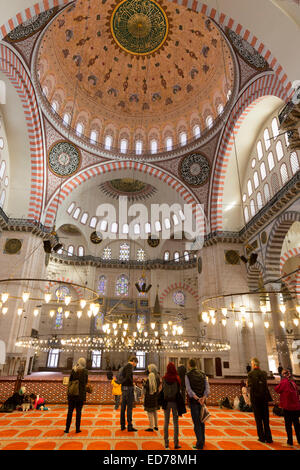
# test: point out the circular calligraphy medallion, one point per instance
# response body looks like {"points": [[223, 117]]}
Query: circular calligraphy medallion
{"points": [[64, 158], [139, 27], [195, 169]]}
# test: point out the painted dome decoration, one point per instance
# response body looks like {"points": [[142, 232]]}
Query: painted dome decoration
{"points": [[132, 188]]}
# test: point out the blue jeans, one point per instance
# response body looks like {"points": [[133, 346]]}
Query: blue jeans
{"points": [[171, 406], [199, 428], [127, 401]]}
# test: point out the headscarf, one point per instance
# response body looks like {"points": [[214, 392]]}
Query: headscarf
{"points": [[171, 374], [81, 364], [152, 378]]}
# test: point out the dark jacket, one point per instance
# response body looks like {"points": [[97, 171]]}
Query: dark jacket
{"points": [[197, 382], [257, 382], [178, 399], [82, 376], [128, 374], [181, 372], [151, 401]]}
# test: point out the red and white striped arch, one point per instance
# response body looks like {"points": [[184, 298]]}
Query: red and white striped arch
{"points": [[65, 279], [255, 93], [178, 285], [289, 254], [116, 166], [13, 68]]}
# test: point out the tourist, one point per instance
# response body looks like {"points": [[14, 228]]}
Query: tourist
{"points": [[290, 403], [181, 372], [38, 402], [151, 390], [117, 392], [245, 401], [79, 373], [170, 391], [248, 368], [280, 369], [127, 393], [197, 389], [260, 396]]}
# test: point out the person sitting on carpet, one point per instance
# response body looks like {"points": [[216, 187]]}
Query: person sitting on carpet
{"points": [[245, 402], [38, 402], [13, 402]]}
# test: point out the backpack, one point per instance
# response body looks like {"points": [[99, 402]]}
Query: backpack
{"points": [[73, 388], [170, 391], [259, 387], [277, 411], [225, 403], [120, 376]]}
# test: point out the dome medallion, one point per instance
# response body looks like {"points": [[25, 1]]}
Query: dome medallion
{"points": [[139, 27]]}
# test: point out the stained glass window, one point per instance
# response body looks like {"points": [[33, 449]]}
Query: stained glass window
{"points": [[59, 320], [142, 281], [99, 320], [140, 255], [61, 292], [106, 253], [102, 285], [122, 285], [179, 297], [124, 252]]}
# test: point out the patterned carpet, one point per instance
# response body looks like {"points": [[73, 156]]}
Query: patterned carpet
{"points": [[43, 430]]}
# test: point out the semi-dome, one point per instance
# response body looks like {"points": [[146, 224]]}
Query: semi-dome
{"points": [[138, 71]]}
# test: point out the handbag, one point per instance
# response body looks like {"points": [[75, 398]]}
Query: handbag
{"points": [[89, 387], [73, 388], [205, 414]]}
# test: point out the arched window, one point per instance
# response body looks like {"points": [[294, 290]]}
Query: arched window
{"points": [[256, 179], [271, 161], [136, 229], [183, 138], [267, 192], [275, 129], [246, 213], [2, 169], [140, 255], [259, 150], [103, 225], [6, 181], [84, 218], [267, 139], [138, 147], [153, 146], [76, 213], [114, 227], [2, 92], [106, 253], [66, 119], [59, 319], [244, 197], [94, 137], [54, 106], [253, 163], [123, 145], [45, 91], [1, 143], [79, 129], [279, 150], [166, 256], [294, 162], [157, 226], [70, 250], [249, 186], [263, 172], [259, 201], [71, 207], [209, 122], [286, 139], [147, 227], [186, 256], [102, 285], [125, 229], [169, 143], [176, 256], [108, 142], [196, 131], [175, 219], [252, 207], [122, 285], [124, 252], [275, 183], [2, 198], [167, 223], [220, 109], [80, 250], [93, 222], [284, 173]]}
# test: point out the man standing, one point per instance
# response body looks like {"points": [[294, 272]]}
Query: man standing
{"points": [[182, 372], [260, 396], [280, 369], [128, 393], [197, 388]]}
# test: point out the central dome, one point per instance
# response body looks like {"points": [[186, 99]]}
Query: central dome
{"points": [[136, 70], [139, 27]]}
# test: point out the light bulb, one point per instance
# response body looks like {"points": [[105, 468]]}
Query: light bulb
{"points": [[35, 312], [4, 297], [224, 311], [124, 333], [156, 333], [4, 310], [213, 320], [82, 303], [263, 308], [115, 326], [115, 332], [296, 321], [282, 324], [152, 325], [243, 309], [79, 313], [25, 296], [68, 299], [282, 308], [125, 326], [67, 313], [96, 309], [47, 297], [165, 326], [138, 325], [224, 322], [298, 308], [250, 324], [267, 324], [180, 330], [211, 312], [236, 323], [89, 313], [59, 309], [52, 313], [166, 333]]}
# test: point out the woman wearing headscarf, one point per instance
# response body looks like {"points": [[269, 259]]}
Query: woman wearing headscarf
{"points": [[290, 403], [170, 390], [76, 400], [151, 387]]}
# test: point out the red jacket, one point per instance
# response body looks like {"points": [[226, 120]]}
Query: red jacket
{"points": [[289, 395]]}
